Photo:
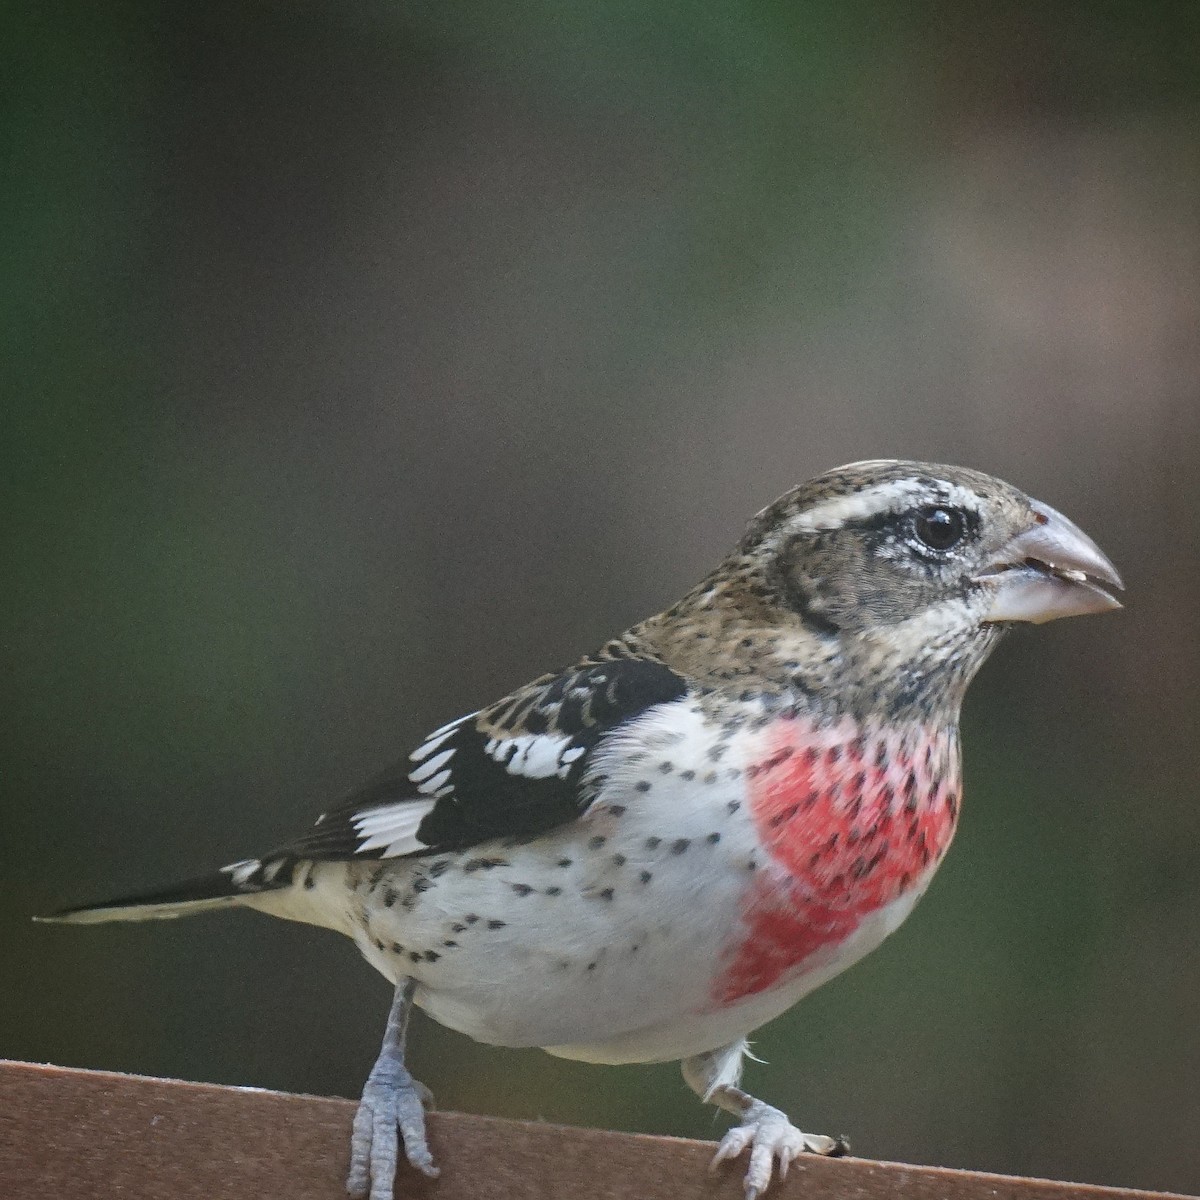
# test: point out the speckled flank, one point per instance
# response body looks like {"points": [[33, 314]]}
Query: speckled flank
{"points": [[850, 822]]}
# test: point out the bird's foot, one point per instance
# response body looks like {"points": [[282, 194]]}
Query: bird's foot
{"points": [[772, 1137], [392, 1109]]}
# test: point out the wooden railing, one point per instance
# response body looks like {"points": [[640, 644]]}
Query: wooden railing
{"points": [[68, 1134]]}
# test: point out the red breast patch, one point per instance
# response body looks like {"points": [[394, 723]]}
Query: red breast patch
{"points": [[849, 821]]}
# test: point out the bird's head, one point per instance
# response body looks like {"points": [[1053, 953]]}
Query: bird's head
{"points": [[890, 581]]}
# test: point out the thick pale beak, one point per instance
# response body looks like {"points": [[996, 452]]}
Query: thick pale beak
{"points": [[1051, 570]]}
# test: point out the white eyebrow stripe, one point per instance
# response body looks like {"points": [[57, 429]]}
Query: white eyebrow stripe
{"points": [[893, 496]]}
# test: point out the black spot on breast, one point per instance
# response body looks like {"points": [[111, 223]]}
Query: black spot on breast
{"points": [[679, 845], [642, 785], [390, 897], [554, 891], [645, 877], [713, 839], [605, 894], [522, 889], [564, 862], [494, 924], [432, 956], [618, 860], [653, 843], [597, 842], [484, 864]]}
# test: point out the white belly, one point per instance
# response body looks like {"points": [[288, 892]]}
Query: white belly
{"points": [[695, 1032]]}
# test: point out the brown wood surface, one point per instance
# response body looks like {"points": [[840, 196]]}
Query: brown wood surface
{"points": [[67, 1134]]}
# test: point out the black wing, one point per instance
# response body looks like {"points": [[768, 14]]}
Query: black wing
{"points": [[514, 769]]}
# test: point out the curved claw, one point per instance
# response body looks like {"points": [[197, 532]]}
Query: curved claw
{"points": [[772, 1138], [392, 1110]]}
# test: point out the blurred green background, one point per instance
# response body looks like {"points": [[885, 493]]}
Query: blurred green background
{"points": [[361, 360]]}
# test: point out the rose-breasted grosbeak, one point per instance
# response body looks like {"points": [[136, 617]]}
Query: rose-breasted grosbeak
{"points": [[650, 854]]}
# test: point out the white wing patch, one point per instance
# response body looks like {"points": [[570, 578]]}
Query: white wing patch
{"points": [[432, 772], [534, 755], [434, 740], [240, 872], [430, 765], [392, 828]]}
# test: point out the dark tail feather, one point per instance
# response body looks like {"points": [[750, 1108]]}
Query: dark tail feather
{"points": [[221, 889]]}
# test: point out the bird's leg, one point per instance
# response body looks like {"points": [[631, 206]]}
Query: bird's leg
{"points": [[392, 1100], [714, 1077]]}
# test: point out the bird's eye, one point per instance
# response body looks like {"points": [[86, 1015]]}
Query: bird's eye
{"points": [[939, 528]]}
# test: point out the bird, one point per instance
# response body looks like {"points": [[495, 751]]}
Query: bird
{"points": [[650, 854]]}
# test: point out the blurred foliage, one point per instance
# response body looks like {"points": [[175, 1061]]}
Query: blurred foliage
{"points": [[362, 360]]}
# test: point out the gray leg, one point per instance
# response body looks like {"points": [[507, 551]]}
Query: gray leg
{"points": [[714, 1077], [392, 1100]]}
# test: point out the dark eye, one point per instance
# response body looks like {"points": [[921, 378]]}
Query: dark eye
{"points": [[939, 528]]}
